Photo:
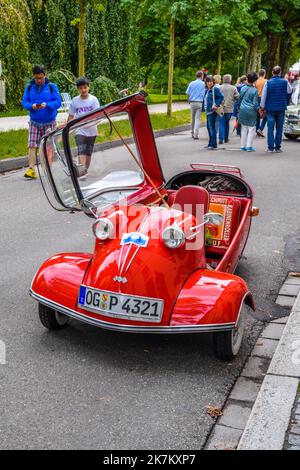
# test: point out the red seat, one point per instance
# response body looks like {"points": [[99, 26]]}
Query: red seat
{"points": [[193, 200]]}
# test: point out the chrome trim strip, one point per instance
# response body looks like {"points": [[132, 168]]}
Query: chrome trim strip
{"points": [[128, 328]]}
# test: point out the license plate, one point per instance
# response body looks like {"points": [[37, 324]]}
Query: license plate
{"points": [[116, 305]]}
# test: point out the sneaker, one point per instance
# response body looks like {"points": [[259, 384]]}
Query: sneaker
{"points": [[278, 151], [196, 138], [250, 149], [226, 141], [211, 148], [30, 174], [244, 149], [221, 142], [269, 151], [259, 134]]}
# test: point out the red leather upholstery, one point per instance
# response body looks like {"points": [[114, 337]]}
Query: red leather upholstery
{"points": [[192, 199], [218, 238]]}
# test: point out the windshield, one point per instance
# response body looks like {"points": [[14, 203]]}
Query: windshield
{"points": [[55, 175], [105, 168]]}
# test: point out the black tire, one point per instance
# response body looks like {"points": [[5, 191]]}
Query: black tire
{"points": [[49, 318], [291, 136], [222, 345], [227, 344]]}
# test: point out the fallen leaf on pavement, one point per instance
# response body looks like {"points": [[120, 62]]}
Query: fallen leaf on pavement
{"points": [[214, 411]]}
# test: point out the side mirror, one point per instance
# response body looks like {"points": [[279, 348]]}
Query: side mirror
{"points": [[213, 218]]}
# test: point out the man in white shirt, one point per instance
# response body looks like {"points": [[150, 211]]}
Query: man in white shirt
{"points": [[196, 93]]}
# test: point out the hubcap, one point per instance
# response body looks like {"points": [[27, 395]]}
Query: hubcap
{"points": [[61, 319], [238, 332]]}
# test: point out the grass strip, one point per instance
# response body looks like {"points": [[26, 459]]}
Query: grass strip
{"points": [[14, 143]]}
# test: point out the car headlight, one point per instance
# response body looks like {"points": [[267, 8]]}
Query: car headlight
{"points": [[173, 237], [103, 229]]}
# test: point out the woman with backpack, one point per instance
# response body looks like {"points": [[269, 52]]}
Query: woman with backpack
{"points": [[248, 108]]}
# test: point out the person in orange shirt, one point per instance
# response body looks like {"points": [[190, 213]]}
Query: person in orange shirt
{"points": [[260, 124]]}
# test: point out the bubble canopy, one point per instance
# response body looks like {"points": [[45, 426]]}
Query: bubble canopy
{"points": [[117, 139]]}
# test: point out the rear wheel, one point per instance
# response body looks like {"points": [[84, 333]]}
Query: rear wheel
{"points": [[227, 344], [291, 136], [51, 319]]}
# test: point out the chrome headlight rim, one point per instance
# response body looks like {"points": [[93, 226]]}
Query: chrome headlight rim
{"points": [[173, 237], [103, 229]]}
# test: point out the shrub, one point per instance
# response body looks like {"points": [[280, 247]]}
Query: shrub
{"points": [[105, 89]]}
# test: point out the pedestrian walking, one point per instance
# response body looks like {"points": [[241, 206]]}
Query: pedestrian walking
{"points": [[230, 95], [42, 99], [213, 104], [248, 108], [260, 84], [218, 80], [196, 93], [85, 136], [239, 85], [274, 101]]}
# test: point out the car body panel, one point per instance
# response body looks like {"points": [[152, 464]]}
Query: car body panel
{"points": [[196, 297], [292, 120]]}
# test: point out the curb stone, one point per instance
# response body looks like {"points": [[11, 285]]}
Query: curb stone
{"points": [[10, 164], [271, 413], [268, 383], [229, 428]]}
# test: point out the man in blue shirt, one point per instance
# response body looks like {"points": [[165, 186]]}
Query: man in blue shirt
{"points": [[42, 100], [274, 101], [196, 93]]}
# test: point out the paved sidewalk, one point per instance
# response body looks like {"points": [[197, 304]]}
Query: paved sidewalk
{"points": [[293, 434], [263, 409], [21, 122]]}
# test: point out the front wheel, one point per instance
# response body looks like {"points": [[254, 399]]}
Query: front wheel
{"points": [[291, 136], [227, 344], [51, 319]]}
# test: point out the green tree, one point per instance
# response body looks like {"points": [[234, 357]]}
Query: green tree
{"points": [[80, 22], [15, 20], [222, 27], [170, 12]]}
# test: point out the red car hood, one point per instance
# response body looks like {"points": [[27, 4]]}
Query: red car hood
{"points": [[153, 271]]}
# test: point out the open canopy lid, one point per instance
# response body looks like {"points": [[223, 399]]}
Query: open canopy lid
{"points": [[112, 174], [136, 107]]}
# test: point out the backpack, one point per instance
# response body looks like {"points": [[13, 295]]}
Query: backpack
{"points": [[50, 86]]}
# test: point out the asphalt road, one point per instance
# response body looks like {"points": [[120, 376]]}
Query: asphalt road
{"points": [[85, 388]]}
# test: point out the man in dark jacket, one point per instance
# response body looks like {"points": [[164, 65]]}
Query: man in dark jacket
{"points": [[274, 101], [42, 99]]}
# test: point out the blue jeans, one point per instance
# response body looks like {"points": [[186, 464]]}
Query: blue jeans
{"points": [[275, 121], [224, 127], [211, 122], [260, 123]]}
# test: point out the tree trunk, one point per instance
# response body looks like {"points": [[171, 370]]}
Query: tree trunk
{"points": [[254, 55], [273, 52], [285, 52], [219, 60], [171, 66], [81, 35]]}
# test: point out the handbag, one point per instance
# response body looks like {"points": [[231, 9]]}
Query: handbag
{"points": [[220, 109]]}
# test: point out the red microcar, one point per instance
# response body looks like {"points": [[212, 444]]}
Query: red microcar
{"points": [[165, 252]]}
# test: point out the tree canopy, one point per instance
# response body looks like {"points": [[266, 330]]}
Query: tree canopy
{"points": [[129, 41]]}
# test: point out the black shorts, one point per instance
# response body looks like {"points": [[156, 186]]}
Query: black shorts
{"points": [[85, 144]]}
